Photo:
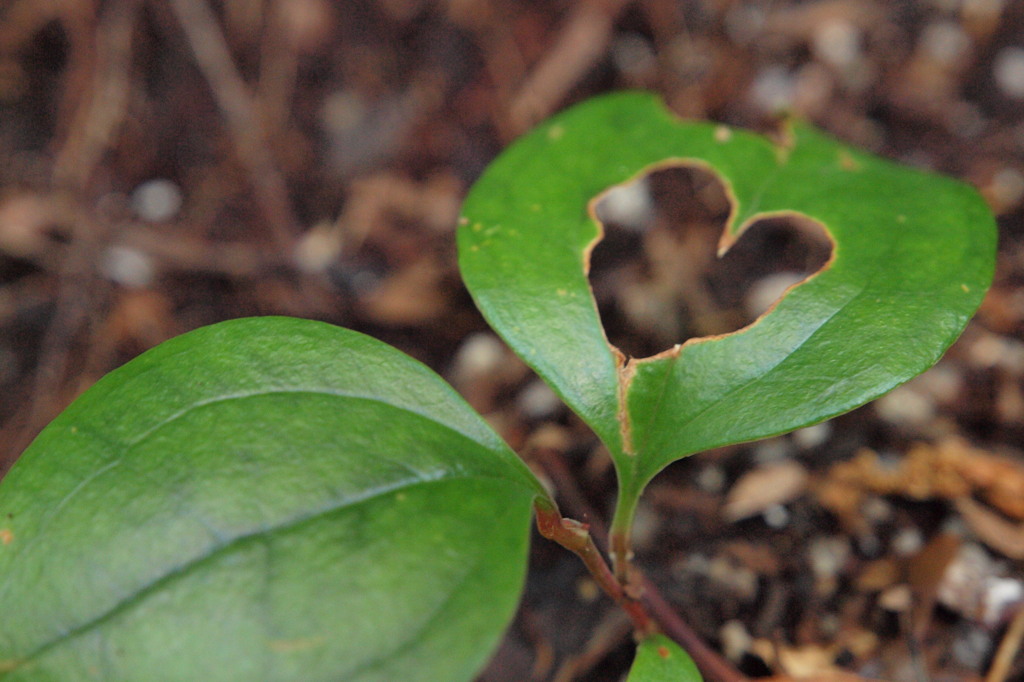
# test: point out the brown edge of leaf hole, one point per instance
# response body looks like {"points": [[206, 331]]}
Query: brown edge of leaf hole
{"points": [[626, 365]]}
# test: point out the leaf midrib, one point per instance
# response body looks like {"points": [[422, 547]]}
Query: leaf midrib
{"points": [[196, 563], [760, 377], [124, 447]]}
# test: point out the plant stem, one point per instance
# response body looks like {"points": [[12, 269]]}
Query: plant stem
{"points": [[712, 665], [575, 537], [655, 609], [619, 539]]}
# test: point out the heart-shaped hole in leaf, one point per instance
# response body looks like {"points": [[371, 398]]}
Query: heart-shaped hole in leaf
{"points": [[656, 275]]}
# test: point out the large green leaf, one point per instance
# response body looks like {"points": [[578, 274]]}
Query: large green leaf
{"points": [[659, 659], [263, 499], [912, 257]]}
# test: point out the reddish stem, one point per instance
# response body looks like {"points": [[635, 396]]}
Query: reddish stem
{"points": [[575, 537], [711, 664]]}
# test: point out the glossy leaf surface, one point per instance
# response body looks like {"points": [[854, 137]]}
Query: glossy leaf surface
{"points": [[912, 257], [659, 659], [263, 499]]}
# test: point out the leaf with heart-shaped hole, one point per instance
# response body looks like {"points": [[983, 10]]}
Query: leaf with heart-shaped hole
{"points": [[913, 254], [262, 499]]}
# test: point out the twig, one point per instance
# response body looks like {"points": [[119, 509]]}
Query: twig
{"points": [[236, 105], [279, 68], [21, 19], [73, 304], [97, 115], [1008, 649], [492, 25], [581, 42], [607, 635], [102, 109], [711, 664]]}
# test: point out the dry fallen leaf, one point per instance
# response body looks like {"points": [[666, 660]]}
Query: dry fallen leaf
{"points": [[24, 222], [765, 487], [809, 663], [1000, 534], [950, 470], [414, 295]]}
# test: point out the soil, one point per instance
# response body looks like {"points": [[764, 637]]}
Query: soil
{"points": [[166, 165]]}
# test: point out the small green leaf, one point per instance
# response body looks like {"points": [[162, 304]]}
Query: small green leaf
{"points": [[913, 256], [659, 659], [263, 499]]}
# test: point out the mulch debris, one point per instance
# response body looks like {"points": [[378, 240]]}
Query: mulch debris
{"points": [[169, 165]]}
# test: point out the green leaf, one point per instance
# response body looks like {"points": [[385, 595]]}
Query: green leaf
{"points": [[913, 256], [659, 659], [263, 499]]}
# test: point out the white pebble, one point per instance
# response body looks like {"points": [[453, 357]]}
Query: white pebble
{"points": [[711, 479], [905, 406], [942, 382], [629, 206], [318, 248], [633, 55], [772, 451], [1008, 70], [991, 350], [767, 290], [945, 42], [127, 267], [538, 401], [907, 541], [776, 516], [1008, 187], [975, 586], [736, 641], [773, 90], [812, 436], [877, 511], [837, 42], [827, 555], [481, 353], [156, 201], [1002, 595]]}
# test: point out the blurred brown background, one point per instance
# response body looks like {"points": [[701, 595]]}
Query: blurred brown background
{"points": [[166, 164]]}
